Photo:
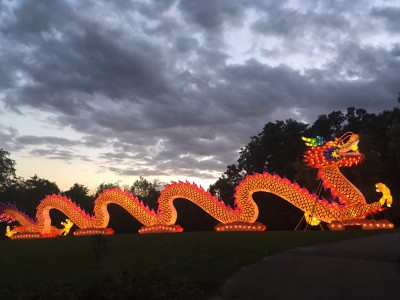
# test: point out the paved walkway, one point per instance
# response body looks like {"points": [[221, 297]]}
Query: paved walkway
{"points": [[364, 268]]}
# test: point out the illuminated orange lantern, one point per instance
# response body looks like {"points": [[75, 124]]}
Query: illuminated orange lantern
{"points": [[350, 207]]}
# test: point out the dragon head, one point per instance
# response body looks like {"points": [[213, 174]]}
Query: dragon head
{"points": [[341, 152]]}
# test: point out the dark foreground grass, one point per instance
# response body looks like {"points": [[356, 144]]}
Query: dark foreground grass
{"points": [[159, 266]]}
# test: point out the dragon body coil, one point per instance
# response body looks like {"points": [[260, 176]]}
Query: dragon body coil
{"points": [[350, 206]]}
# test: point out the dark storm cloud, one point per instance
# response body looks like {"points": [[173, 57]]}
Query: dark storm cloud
{"points": [[186, 44], [155, 86], [291, 23], [390, 15], [69, 58], [210, 14]]}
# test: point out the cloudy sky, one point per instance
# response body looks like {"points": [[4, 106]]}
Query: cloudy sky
{"points": [[107, 91]]}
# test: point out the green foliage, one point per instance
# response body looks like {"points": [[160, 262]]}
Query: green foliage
{"points": [[7, 170], [80, 194], [27, 194], [41, 186], [279, 141], [106, 186], [327, 125], [276, 150], [146, 191], [224, 187]]}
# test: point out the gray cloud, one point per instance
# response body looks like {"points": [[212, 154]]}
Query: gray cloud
{"points": [[7, 138], [57, 154], [185, 44], [154, 86], [390, 16], [36, 140], [211, 15]]}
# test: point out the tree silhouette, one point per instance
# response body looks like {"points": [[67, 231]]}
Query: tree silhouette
{"points": [[224, 187], [146, 191], [106, 186], [7, 170], [27, 194], [80, 194]]}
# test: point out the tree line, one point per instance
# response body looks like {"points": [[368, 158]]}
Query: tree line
{"points": [[277, 149]]}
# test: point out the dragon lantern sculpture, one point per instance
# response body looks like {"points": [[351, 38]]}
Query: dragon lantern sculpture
{"points": [[350, 208]]}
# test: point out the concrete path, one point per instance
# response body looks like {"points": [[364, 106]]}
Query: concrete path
{"points": [[364, 268]]}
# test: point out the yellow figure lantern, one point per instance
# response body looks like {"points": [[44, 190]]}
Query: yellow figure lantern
{"points": [[67, 226], [386, 196], [311, 220], [10, 233]]}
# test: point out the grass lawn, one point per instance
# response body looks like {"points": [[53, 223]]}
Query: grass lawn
{"points": [[159, 266]]}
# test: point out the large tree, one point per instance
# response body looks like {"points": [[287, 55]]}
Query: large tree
{"points": [[106, 186], [79, 193], [27, 194], [276, 150], [7, 170], [147, 191], [328, 125], [224, 187]]}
